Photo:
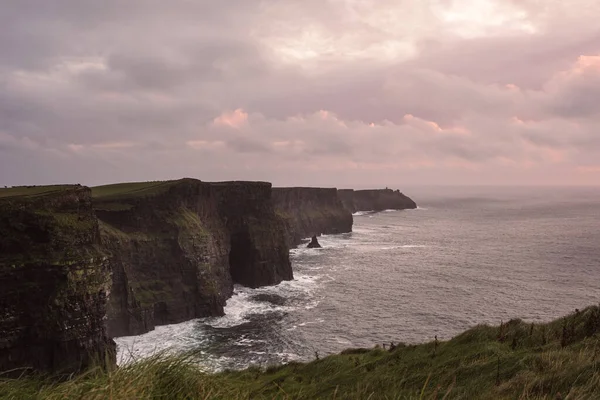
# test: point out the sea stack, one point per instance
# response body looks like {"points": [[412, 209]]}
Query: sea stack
{"points": [[314, 243]]}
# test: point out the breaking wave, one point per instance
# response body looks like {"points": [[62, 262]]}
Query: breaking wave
{"points": [[359, 213]]}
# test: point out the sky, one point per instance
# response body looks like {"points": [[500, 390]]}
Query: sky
{"points": [[345, 93]]}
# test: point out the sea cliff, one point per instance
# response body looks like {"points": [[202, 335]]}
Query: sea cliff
{"points": [[79, 266], [55, 281], [177, 248], [375, 200], [311, 211]]}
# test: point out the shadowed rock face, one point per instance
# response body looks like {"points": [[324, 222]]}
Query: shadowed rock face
{"points": [[178, 247], [144, 254], [54, 282], [375, 200], [311, 211], [259, 254]]}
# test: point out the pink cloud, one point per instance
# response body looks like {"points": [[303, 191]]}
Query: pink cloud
{"points": [[588, 169], [75, 147], [234, 119], [113, 145], [205, 144], [432, 126], [586, 63]]}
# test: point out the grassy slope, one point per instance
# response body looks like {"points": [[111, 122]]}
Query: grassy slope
{"points": [[118, 196], [129, 189], [30, 191], [513, 361]]}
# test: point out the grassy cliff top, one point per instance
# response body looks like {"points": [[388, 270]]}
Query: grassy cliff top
{"points": [[131, 189], [32, 191], [516, 360]]}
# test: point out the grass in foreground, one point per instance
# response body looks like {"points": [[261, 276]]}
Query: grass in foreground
{"points": [[559, 360]]}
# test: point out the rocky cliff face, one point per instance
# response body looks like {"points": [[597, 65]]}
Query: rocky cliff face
{"points": [[375, 200], [55, 281], [136, 255], [311, 211], [177, 248], [259, 254]]}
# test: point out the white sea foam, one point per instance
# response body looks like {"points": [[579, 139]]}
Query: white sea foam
{"points": [[239, 307], [166, 338], [359, 213], [342, 340], [242, 304]]}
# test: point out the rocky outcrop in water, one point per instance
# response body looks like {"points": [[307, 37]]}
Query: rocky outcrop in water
{"points": [[311, 211], [177, 248], [375, 200], [314, 243], [55, 279]]}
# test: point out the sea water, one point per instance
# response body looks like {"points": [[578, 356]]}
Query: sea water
{"points": [[466, 256]]}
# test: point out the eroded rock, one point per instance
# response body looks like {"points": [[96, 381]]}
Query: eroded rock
{"points": [[314, 243]]}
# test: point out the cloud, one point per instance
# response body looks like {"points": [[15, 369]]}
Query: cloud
{"points": [[456, 92]]}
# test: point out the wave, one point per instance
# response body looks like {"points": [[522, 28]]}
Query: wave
{"points": [[166, 338], [359, 213], [238, 308], [406, 246], [244, 303]]}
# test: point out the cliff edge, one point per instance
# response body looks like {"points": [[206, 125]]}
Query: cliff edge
{"points": [[375, 200]]}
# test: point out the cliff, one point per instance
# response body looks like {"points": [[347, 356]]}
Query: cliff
{"points": [[375, 200], [178, 246], [55, 280], [79, 266], [311, 211]]}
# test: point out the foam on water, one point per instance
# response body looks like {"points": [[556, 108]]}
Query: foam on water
{"points": [[360, 213], [240, 309], [403, 276], [166, 338], [242, 305]]}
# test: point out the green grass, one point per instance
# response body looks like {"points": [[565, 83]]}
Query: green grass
{"points": [[516, 360], [130, 189], [31, 191]]}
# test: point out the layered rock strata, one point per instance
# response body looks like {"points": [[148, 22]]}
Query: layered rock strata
{"points": [[311, 211], [177, 248], [55, 280]]}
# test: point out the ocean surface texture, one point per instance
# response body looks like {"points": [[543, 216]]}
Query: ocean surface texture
{"points": [[466, 256]]}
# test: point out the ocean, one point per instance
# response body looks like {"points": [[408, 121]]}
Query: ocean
{"points": [[466, 256]]}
